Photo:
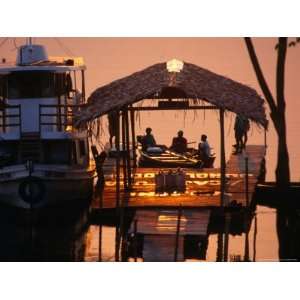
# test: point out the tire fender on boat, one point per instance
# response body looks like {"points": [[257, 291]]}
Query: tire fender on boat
{"points": [[32, 190]]}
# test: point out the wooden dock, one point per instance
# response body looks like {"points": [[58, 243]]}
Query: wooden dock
{"points": [[163, 234], [164, 222], [202, 186]]}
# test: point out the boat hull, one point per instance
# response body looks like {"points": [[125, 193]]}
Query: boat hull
{"points": [[168, 160], [55, 190]]}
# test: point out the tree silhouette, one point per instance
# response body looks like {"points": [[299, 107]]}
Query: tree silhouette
{"points": [[277, 106]]}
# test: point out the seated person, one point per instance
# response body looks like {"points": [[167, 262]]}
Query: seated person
{"points": [[148, 140], [179, 143], [204, 148]]}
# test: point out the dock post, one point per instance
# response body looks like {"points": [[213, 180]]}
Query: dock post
{"points": [[222, 157], [254, 238], [133, 137], [226, 241], [246, 255], [121, 227], [247, 180], [127, 138], [124, 161], [117, 142], [100, 233], [220, 247], [135, 254], [177, 232]]}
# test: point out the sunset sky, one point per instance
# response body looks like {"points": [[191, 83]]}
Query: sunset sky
{"points": [[108, 59]]}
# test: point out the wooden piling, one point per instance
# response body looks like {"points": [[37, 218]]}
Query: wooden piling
{"points": [[222, 157], [226, 240], [254, 238], [117, 142], [127, 138], [124, 160], [177, 232], [133, 138], [100, 225], [246, 228], [246, 254], [135, 241], [100, 244], [220, 247], [247, 180]]}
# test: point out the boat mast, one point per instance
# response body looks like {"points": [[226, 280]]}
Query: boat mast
{"points": [[29, 41]]}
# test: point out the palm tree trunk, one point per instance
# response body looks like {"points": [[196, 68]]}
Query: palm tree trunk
{"points": [[282, 169], [277, 109]]}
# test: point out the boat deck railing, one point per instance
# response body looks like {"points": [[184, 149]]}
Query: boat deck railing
{"points": [[58, 117], [10, 116]]}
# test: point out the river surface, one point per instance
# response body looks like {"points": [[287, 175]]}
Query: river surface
{"points": [[67, 236]]}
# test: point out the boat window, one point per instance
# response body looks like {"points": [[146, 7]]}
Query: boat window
{"points": [[31, 85]]}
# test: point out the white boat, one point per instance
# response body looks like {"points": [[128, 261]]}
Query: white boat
{"points": [[43, 159]]}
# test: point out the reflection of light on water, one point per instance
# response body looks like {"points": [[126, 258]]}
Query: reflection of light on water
{"points": [[108, 244], [166, 218]]}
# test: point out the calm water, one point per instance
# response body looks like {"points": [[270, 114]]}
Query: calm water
{"points": [[67, 236], [262, 244]]}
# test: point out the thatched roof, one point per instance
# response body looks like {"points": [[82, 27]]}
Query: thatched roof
{"points": [[196, 82]]}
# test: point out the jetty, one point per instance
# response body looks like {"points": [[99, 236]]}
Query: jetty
{"points": [[127, 191], [203, 185]]}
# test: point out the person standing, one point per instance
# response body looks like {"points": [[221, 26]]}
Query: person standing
{"points": [[241, 128]]}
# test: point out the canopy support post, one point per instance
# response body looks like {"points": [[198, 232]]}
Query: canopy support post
{"points": [[222, 157], [134, 156], [83, 86], [117, 142], [127, 136], [124, 160]]}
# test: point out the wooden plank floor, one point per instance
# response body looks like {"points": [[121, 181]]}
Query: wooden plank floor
{"points": [[159, 228], [202, 186], [164, 222]]}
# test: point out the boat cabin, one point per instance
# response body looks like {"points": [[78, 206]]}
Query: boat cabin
{"points": [[39, 97]]}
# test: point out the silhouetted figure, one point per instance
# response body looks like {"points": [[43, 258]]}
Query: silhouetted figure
{"points": [[204, 152], [112, 125], [148, 140], [204, 148], [241, 128], [99, 160], [179, 143]]}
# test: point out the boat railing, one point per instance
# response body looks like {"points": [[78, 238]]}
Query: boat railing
{"points": [[58, 117], [10, 116]]}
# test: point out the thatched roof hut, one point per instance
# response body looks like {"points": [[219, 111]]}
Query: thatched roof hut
{"points": [[194, 81]]}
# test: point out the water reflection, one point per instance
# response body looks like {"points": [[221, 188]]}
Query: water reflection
{"points": [[53, 234], [288, 231], [64, 235]]}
